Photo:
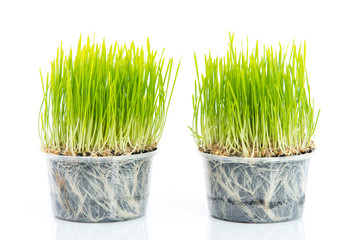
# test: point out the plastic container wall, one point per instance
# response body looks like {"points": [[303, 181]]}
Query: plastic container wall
{"points": [[99, 189], [256, 190]]}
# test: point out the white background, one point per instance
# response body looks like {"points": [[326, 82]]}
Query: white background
{"points": [[31, 31]]}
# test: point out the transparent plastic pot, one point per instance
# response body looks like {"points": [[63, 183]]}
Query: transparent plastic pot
{"points": [[256, 190], [99, 189]]}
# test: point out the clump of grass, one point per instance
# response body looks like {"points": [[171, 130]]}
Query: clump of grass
{"points": [[101, 102], [253, 104]]}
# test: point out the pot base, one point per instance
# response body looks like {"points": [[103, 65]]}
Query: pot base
{"points": [[253, 212], [109, 220]]}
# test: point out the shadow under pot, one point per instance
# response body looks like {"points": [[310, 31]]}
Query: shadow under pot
{"points": [[256, 190], [99, 189]]}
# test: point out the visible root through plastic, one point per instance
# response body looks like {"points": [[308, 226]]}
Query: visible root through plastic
{"points": [[99, 191], [256, 192]]}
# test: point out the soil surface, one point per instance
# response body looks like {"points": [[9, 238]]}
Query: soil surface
{"points": [[258, 152], [103, 153]]}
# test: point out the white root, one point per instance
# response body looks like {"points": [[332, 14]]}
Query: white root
{"points": [[256, 192], [99, 191]]}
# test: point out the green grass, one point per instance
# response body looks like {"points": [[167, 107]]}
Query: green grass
{"points": [[105, 102], [253, 104]]}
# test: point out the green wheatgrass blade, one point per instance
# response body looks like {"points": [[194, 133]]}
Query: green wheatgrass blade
{"points": [[105, 102], [254, 105]]}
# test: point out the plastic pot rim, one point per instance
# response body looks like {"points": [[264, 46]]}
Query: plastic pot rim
{"points": [[86, 159], [300, 157]]}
